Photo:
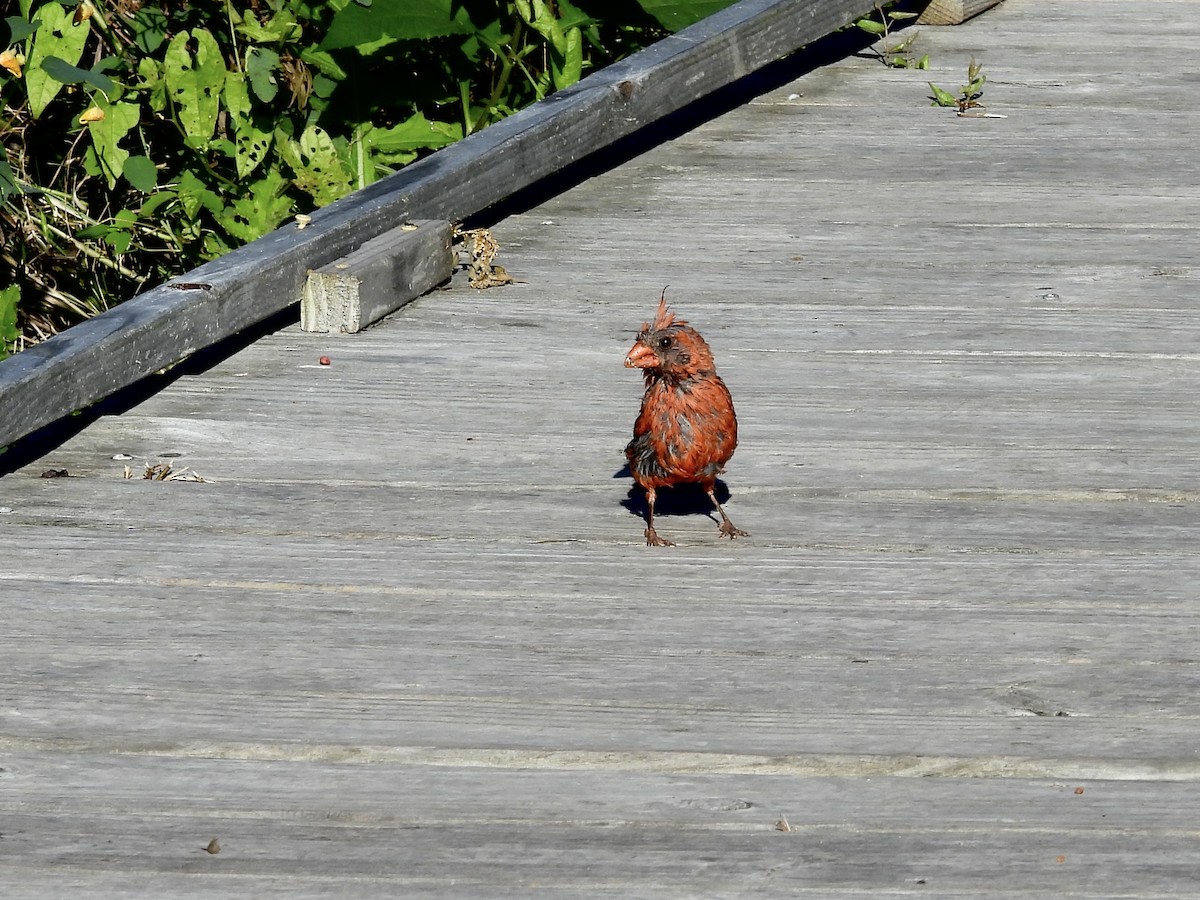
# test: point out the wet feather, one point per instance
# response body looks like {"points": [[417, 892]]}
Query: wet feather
{"points": [[686, 430]]}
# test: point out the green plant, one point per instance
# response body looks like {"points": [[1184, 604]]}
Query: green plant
{"points": [[896, 55], [968, 94], [10, 335], [140, 140]]}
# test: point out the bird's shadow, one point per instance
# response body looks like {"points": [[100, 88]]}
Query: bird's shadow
{"points": [[681, 500]]}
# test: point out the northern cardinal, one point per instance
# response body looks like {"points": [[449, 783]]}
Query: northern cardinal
{"points": [[687, 429]]}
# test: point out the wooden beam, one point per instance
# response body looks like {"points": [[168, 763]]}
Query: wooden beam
{"points": [[381, 276], [953, 12], [217, 300]]}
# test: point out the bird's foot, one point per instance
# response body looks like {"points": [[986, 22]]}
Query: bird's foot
{"points": [[653, 540], [731, 531]]}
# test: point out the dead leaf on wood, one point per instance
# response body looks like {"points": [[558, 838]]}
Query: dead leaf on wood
{"points": [[213, 847], [164, 471], [483, 249]]}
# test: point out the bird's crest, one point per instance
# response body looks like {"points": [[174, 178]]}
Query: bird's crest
{"points": [[664, 318]]}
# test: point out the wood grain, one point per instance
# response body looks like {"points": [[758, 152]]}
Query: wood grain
{"points": [[405, 640], [378, 278], [165, 325], [953, 12]]}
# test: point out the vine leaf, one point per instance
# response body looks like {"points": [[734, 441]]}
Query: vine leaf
{"points": [[118, 120], [194, 82], [261, 65], [265, 208], [250, 142], [383, 22], [64, 72], [676, 14], [141, 172], [55, 38], [317, 168], [9, 333]]}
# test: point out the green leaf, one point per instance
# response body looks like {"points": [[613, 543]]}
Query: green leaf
{"points": [[387, 21], [898, 16], [570, 69], [871, 26], [541, 19], [194, 82], [149, 209], [10, 297], [141, 172], [676, 14], [279, 29], [942, 97], [149, 26], [262, 211], [66, 73], [92, 232], [324, 63], [55, 37], [119, 119], [318, 168], [8, 182], [251, 143], [153, 84], [118, 233], [261, 66], [195, 196], [400, 143], [19, 29]]}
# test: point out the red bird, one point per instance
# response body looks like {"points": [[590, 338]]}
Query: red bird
{"points": [[687, 429]]}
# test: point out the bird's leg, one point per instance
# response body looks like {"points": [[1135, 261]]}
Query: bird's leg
{"points": [[652, 538], [726, 528]]}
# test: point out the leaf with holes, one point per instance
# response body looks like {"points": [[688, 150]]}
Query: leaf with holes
{"points": [[265, 209], [194, 80], [250, 142], [318, 168], [195, 196], [55, 38]]}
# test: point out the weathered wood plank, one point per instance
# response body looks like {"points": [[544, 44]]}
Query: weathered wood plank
{"points": [[122, 825], [408, 642], [248, 285], [378, 278], [953, 12]]}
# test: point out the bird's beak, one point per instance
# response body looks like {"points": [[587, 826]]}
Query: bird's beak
{"points": [[641, 357]]}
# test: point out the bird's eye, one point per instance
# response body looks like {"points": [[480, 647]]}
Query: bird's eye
{"points": [[664, 343]]}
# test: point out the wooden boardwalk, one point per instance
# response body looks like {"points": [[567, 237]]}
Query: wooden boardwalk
{"points": [[406, 641]]}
